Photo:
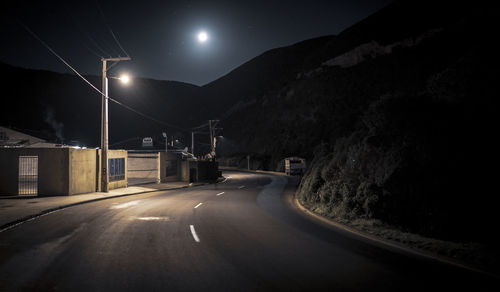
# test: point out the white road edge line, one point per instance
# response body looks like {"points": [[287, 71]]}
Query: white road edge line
{"points": [[197, 207], [240, 187], [219, 194], [30, 219], [193, 232]]}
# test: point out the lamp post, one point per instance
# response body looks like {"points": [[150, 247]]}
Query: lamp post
{"points": [[192, 143], [104, 119], [166, 141], [212, 124]]}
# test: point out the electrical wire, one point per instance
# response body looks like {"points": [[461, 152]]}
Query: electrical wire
{"points": [[109, 28], [91, 85], [85, 33], [126, 140], [92, 51], [200, 127]]}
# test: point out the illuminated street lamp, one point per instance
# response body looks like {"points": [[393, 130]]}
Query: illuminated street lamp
{"points": [[104, 118], [124, 78]]}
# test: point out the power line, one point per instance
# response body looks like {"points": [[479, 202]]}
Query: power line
{"points": [[91, 85], [200, 127], [126, 140], [85, 33], [92, 51], [109, 28]]}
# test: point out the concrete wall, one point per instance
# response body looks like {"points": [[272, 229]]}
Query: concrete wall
{"points": [[118, 154], [82, 171], [182, 173], [53, 170], [61, 171], [8, 172], [114, 184]]}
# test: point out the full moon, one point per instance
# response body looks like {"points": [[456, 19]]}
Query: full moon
{"points": [[202, 37]]}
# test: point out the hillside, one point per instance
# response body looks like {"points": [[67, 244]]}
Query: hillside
{"points": [[394, 121], [61, 107]]}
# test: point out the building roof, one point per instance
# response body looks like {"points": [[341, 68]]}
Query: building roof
{"points": [[12, 138]]}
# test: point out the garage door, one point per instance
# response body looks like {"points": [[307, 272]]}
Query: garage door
{"points": [[142, 168]]}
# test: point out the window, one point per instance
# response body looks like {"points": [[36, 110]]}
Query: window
{"points": [[116, 168], [3, 136]]}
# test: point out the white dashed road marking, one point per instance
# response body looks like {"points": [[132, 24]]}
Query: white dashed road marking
{"points": [[125, 205], [198, 205], [193, 232], [219, 194]]}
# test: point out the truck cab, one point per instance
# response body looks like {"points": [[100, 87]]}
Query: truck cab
{"points": [[295, 166]]}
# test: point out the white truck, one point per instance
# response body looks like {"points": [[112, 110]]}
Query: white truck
{"points": [[295, 166]]}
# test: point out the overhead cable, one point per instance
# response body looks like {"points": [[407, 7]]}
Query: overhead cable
{"points": [[91, 85]]}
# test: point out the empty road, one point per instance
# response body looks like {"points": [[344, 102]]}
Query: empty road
{"points": [[240, 235]]}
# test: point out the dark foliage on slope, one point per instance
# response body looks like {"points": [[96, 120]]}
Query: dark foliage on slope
{"points": [[403, 131]]}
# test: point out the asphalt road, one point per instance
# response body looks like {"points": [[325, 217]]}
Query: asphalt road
{"points": [[240, 235]]}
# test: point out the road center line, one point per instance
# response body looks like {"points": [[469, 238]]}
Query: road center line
{"points": [[197, 207], [240, 187], [193, 232], [219, 194]]}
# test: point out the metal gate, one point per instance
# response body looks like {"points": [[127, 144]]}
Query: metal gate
{"points": [[142, 168], [28, 175]]}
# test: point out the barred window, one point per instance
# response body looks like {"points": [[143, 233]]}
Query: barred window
{"points": [[116, 169]]}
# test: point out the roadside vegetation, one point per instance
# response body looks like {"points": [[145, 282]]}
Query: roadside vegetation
{"points": [[417, 168], [400, 142]]}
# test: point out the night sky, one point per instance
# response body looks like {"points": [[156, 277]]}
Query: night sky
{"points": [[161, 36]]}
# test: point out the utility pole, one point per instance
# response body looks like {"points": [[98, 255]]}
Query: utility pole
{"points": [[192, 143], [104, 121], [210, 130], [212, 136], [166, 141]]}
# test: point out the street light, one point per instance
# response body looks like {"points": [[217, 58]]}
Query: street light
{"points": [[104, 119], [166, 141], [125, 79]]}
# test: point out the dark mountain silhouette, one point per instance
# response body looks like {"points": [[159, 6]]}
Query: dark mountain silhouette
{"points": [[63, 107], [393, 116], [41, 99]]}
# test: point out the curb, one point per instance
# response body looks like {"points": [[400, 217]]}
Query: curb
{"points": [[25, 219], [389, 243]]}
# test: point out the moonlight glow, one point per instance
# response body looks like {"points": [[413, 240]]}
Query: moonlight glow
{"points": [[202, 37]]}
